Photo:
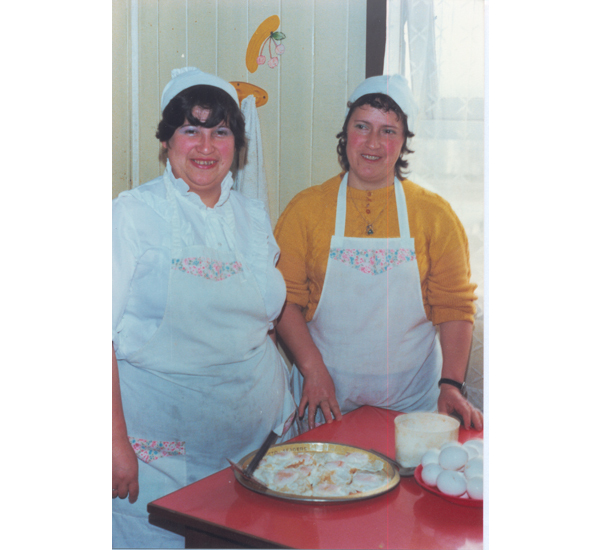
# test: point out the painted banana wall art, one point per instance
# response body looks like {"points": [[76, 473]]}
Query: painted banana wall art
{"points": [[265, 35]]}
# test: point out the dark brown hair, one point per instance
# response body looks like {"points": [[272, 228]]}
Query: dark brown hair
{"points": [[222, 108], [384, 103]]}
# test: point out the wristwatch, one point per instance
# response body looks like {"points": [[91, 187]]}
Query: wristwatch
{"points": [[460, 385]]}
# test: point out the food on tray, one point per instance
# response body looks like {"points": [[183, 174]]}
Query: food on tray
{"points": [[455, 469], [322, 474]]}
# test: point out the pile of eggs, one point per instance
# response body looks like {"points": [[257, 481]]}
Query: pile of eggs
{"points": [[456, 470]]}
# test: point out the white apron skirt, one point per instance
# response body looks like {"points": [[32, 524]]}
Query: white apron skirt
{"points": [[208, 385], [370, 325]]}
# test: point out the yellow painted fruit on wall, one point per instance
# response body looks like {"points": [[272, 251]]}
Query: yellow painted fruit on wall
{"points": [[244, 89], [264, 30]]}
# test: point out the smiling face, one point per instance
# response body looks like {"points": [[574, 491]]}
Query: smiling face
{"points": [[201, 156], [374, 143]]}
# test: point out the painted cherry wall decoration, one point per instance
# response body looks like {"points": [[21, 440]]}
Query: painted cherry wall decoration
{"points": [[265, 34]]}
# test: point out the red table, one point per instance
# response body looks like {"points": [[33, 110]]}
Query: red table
{"points": [[218, 512]]}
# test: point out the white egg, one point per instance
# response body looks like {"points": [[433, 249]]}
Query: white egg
{"points": [[450, 444], [476, 444], [430, 474], [471, 451], [474, 467], [453, 458], [430, 457], [475, 487], [451, 483]]}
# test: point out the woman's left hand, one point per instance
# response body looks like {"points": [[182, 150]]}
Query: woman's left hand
{"points": [[451, 401]]}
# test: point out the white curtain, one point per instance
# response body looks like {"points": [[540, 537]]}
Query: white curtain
{"points": [[438, 45]]}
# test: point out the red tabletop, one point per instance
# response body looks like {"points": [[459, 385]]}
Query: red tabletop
{"points": [[408, 517]]}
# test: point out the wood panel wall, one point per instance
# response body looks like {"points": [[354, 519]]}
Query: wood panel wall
{"points": [[324, 60]]}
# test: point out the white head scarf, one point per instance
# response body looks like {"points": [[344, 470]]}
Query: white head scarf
{"points": [[186, 77], [394, 86]]}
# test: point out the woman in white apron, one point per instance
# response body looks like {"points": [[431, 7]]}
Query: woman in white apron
{"points": [[196, 376], [359, 318]]}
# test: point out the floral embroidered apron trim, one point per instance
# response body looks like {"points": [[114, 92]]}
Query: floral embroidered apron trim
{"points": [[209, 269], [147, 451], [372, 262]]}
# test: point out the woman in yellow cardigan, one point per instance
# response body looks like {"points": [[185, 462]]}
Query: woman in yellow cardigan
{"points": [[373, 263]]}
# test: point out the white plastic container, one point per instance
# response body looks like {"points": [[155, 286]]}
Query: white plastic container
{"points": [[418, 432]]}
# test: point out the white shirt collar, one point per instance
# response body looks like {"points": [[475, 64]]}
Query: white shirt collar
{"points": [[184, 189]]}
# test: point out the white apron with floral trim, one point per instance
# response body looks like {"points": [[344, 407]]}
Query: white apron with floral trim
{"points": [[209, 384], [370, 325]]}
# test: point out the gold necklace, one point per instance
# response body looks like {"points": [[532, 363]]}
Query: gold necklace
{"points": [[369, 228]]}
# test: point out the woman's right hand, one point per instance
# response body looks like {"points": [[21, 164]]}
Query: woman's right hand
{"points": [[124, 470], [124, 461], [318, 390]]}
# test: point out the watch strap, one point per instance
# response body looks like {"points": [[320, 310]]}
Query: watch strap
{"points": [[458, 385]]}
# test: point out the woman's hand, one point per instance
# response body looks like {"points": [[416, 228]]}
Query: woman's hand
{"points": [[455, 340], [451, 401], [318, 390], [124, 470], [125, 465]]}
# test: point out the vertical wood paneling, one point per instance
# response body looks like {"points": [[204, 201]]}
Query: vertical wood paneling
{"points": [[269, 114], [331, 63], [296, 99], [121, 142], [172, 38], [339, 68], [357, 39], [149, 90], [232, 23], [172, 45], [202, 46]]}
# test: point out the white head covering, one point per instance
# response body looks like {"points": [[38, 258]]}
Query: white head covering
{"points": [[395, 86], [190, 76]]}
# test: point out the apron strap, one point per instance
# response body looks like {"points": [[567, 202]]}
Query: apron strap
{"points": [[340, 216], [175, 221], [402, 212]]}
